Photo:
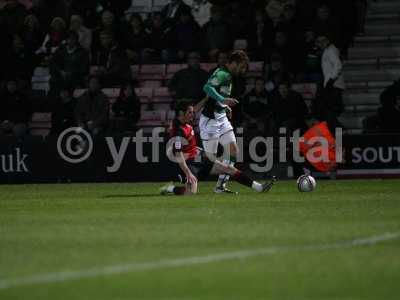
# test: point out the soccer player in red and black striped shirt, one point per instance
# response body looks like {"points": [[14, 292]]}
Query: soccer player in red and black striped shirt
{"points": [[192, 161]]}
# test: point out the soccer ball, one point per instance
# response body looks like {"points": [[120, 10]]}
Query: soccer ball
{"points": [[306, 183]]}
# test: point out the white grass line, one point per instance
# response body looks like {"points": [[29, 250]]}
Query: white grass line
{"points": [[188, 261]]}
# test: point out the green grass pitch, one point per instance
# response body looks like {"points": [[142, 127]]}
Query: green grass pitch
{"points": [[124, 241]]}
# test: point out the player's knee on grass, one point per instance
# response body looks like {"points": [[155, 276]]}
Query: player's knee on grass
{"points": [[191, 189]]}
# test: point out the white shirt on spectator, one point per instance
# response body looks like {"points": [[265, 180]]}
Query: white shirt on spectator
{"points": [[201, 10], [332, 66]]}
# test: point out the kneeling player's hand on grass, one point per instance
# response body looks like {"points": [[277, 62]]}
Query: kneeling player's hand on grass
{"points": [[191, 179], [230, 101]]}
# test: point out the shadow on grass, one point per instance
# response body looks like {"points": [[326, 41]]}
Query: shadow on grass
{"points": [[133, 196]]}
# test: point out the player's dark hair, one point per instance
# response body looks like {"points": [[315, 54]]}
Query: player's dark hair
{"points": [[182, 105], [238, 56]]}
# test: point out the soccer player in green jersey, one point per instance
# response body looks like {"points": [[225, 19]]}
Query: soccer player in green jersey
{"points": [[214, 125]]}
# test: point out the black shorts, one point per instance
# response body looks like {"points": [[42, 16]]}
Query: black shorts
{"points": [[200, 167]]}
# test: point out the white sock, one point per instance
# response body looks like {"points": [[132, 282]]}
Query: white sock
{"points": [[224, 178], [257, 186], [170, 188]]}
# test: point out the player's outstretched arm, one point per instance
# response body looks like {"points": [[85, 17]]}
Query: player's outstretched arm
{"points": [[180, 159], [213, 93]]}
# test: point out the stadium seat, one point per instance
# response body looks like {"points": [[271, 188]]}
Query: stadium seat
{"points": [[139, 6], [366, 108], [361, 98], [159, 4], [373, 75], [162, 99], [152, 118], [40, 124], [144, 92], [350, 109], [379, 83], [145, 105], [145, 95], [41, 71], [152, 72], [353, 121], [356, 85], [171, 115], [389, 60], [161, 106], [151, 83], [374, 52], [40, 85], [354, 131], [40, 79], [135, 71], [208, 66], [162, 92], [40, 117], [173, 68]]}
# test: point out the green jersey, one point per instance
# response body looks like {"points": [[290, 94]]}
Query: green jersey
{"points": [[217, 88]]}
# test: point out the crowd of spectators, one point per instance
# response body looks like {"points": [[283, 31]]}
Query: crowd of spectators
{"points": [[68, 36]]}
